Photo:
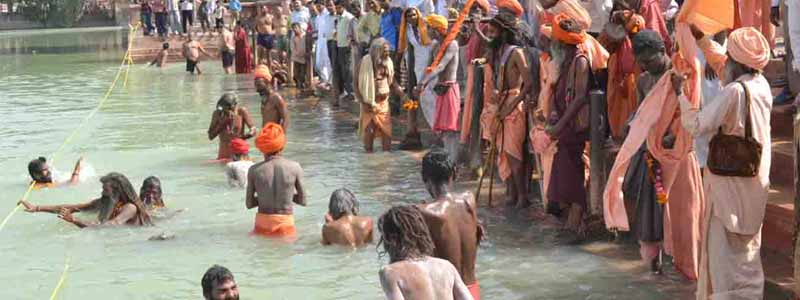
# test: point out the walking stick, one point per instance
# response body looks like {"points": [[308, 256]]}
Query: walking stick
{"points": [[489, 163]]}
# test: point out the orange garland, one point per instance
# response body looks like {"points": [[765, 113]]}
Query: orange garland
{"points": [[450, 36]]}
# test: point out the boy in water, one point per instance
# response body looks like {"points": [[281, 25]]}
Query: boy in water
{"points": [[161, 59], [191, 51], [343, 226], [274, 185], [413, 273], [273, 107]]}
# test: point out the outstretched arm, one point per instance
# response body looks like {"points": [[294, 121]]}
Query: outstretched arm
{"points": [[58, 208], [76, 172]]}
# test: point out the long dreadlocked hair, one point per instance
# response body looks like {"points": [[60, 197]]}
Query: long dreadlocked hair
{"points": [[152, 181], [404, 234], [437, 166], [127, 194]]}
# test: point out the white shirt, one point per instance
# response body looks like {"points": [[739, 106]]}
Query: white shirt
{"points": [[599, 11], [236, 173], [187, 5], [301, 16]]}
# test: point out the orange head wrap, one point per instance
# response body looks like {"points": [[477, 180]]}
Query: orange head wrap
{"points": [[262, 71], [561, 35], [271, 139], [239, 146], [748, 46], [512, 6], [421, 28], [437, 22], [574, 10]]}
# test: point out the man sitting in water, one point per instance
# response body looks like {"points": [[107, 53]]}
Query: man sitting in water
{"points": [[273, 107], [161, 59], [118, 205], [236, 170], [273, 185], [413, 273], [228, 122], [151, 194], [451, 217], [191, 51], [343, 226], [43, 177], [218, 284]]}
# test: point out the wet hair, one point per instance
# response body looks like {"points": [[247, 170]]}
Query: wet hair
{"points": [[404, 234], [152, 181], [647, 40], [215, 275], [342, 203], [124, 191], [36, 170], [165, 46], [228, 100], [437, 167]]}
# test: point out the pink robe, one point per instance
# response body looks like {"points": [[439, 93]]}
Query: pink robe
{"points": [[681, 174]]}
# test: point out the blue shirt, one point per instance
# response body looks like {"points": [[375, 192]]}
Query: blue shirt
{"points": [[235, 5], [390, 25]]}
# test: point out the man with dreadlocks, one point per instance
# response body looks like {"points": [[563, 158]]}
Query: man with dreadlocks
{"points": [[373, 86], [504, 119], [151, 193], [451, 217], [412, 272], [228, 122], [343, 226], [117, 205]]}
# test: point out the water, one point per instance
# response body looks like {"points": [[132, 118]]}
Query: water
{"points": [[157, 126]]}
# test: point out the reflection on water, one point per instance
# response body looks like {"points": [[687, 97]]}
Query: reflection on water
{"points": [[157, 126]]}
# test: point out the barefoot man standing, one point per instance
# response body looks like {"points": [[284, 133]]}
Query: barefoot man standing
{"points": [[273, 185]]}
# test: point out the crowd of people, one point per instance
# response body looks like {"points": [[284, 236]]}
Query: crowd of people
{"points": [[685, 111]]}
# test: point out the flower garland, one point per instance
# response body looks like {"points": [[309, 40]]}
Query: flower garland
{"points": [[657, 178], [410, 105]]}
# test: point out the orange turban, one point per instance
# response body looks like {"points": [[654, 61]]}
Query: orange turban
{"points": [[573, 10], [559, 34], [271, 139], [748, 46], [262, 71], [512, 6], [437, 22], [635, 24], [240, 146]]}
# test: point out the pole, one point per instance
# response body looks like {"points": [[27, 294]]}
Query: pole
{"points": [[597, 153]]}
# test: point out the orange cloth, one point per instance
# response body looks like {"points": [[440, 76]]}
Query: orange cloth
{"points": [[451, 36], [635, 24], [597, 54], [510, 5], [475, 290], [564, 36], [239, 146], [271, 139], [512, 136], [274, 225], [680, 171], [381, 118], [402, 40], [755, 13], [749, 47], [622, 99], [262, 71], [711, 16], [437, 22], [575, 11]]}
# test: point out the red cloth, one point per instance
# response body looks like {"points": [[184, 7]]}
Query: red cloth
{"points": [[475, 290], [240, 146], [448, 107], [244, 60], [654, 20]]}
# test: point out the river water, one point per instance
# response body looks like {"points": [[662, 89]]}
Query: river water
{"points": [[156, 125]]}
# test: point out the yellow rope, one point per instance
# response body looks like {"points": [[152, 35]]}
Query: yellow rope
{"points": [[61, 280], [69, 138]]}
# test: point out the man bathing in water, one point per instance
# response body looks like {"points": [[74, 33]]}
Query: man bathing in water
{"points": [[273, 107], [151, 194], [343, 226], [265, 39], [218, 284], [43, 177], [118, 205], [236, 170], [228, 122], [412, 272], [191, 51], [451, 217], [273, 185], [161, 60]]}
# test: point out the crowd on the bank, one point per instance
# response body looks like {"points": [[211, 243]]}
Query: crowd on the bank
{"points": [[678, 97]]}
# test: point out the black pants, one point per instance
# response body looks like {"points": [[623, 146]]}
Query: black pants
{"points": [[332, 56], [187, 20], [299, 75], [161, 23], [342, 71]]}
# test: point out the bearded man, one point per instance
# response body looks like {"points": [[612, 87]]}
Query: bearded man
{"points": [[117, 205], [218, 284], [228, 122], [504, 119], [730, 264], [374, 84], [151, 193]]}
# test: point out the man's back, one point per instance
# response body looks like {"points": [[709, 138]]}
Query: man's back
{"points": [[348, 230], [453, 225], [428, 278], [274, 181]]}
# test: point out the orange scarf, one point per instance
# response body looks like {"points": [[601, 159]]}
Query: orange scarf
{"points": [[424, 39]]}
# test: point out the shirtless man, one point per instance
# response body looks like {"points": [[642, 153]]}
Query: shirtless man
{"points": [[161, 59], [218, 284], [265, 38], [273, 107], [227, 50], [228, 122], [118, 205], [43, 177], [273, 185], [191, 51], [343, 226], [151, 194], [413, 273], [451, 217]]}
